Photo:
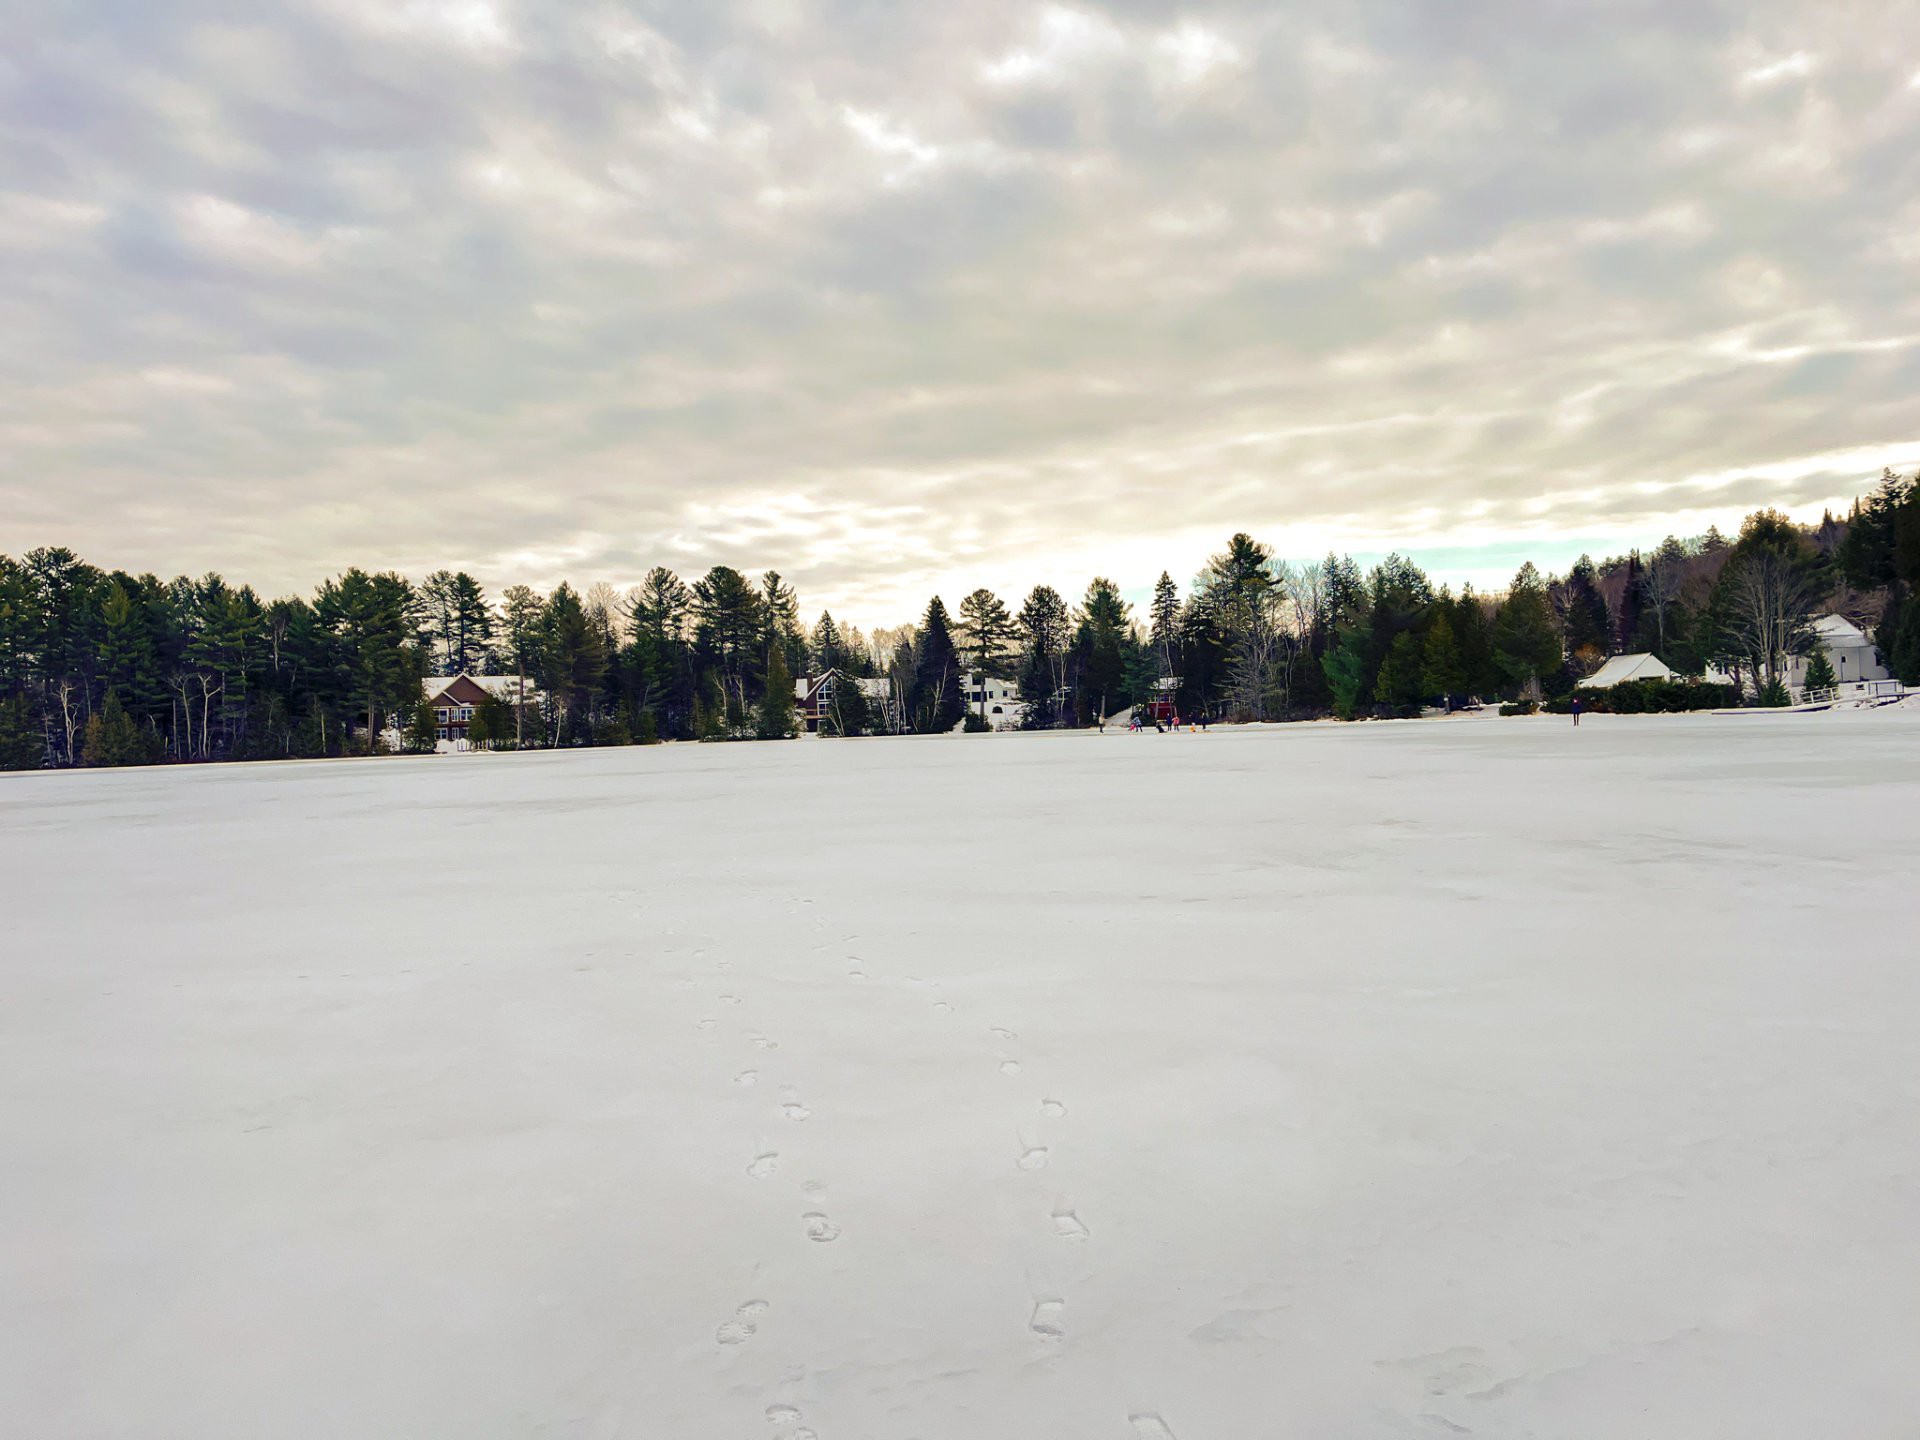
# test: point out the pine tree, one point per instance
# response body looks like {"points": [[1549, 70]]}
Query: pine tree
{"points": [[1526, 641], [114, 739], [573, 662], [1165, 617], [1046, 630], [1104, 643], [1904, 662], [1820, 674], [937, 703], [987, 631], [1344, 664], [480, 725], [826, 650], [1586, 626], [423, 729], [1400, 679], [470, 626], [1473, 634], [775, 720], [1441, 674]]}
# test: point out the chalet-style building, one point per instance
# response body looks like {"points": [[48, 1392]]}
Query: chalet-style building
{"points": [[813, 699]]}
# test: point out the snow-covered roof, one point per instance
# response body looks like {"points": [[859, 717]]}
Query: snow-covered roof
{"points": [[1838, 632], [503, 686], [1621, 668]]}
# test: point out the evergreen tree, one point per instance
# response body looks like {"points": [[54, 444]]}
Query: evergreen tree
{"points": [[1526, 641], [469, 626], [1586, 625], [826, 650], [573, 662], [368, 617], [1820, 674], [1165, 616], [1344, 665], [423, 729], [1402, 673], [731, 633], [1473, 634], [23, 744], [659, 659], [848, 711], [775, 720], [1904, 659], [1441, 673], [937, 703], [1046, 630], [986, 634], [114, 739], [1104, 644], [782, 612], [480, 725]]}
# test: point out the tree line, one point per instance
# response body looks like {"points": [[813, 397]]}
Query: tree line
{"points": [[104, 667]]}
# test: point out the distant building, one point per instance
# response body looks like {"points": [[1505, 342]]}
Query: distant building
{"points": [[813, 699], [996, 699], [452, 698], [1622, 668], [1850, 650]]}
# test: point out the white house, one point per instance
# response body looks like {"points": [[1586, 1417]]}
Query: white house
{"points": [[1849, 649], [1622, 668], [996, 699]]}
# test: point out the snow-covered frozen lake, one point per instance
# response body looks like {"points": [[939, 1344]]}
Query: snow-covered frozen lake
{"points": [[1476, 1077]]}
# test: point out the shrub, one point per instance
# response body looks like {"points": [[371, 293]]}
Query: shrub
{"points": [[1520, 707], [975, 723], [1653, 697]]}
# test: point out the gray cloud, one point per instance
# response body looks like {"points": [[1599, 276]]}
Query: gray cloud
{"points": [[905, 297]]}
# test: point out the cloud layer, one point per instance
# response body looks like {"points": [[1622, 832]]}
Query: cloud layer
{"points": [[904, 297]]}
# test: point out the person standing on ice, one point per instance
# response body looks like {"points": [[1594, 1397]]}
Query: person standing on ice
{"points": [[1576, 712]]}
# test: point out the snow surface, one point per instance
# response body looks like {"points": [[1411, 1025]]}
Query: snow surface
{"points": [[1480, 1077]]}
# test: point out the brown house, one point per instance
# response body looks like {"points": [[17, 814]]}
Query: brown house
{"points": [[453, 697]]}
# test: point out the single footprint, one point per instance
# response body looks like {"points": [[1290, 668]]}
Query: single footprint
{"points": [[1000, 1034], [1149, 1426], [820, 1229], [705, 1025], [1052, 1109], [943, 1007], [1034, 1158], [741, 1328], [729, 999], [857, 974], [794, 1110], [747, 1078], [782, 1415], [761, 1042], [764, 1164], [1067, 1225], [1009, 1067], [1048, 1321]]}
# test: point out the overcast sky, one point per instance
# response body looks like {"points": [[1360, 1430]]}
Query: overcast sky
{"points": [[898, 297]]}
